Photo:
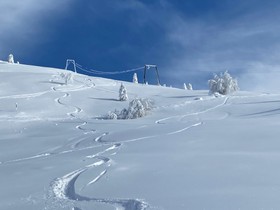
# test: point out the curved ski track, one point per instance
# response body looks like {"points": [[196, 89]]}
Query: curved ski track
{"points": [[181, 117], [63, 188]]}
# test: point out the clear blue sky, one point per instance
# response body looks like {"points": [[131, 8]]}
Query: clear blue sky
{"points": [[187, 39]]}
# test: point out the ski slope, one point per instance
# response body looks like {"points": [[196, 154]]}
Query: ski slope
{"points": [[192, 151]]}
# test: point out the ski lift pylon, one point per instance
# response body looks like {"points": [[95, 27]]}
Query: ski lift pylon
{"points": [[148, 66]]}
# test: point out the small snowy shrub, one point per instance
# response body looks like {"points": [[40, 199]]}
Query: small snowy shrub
{"points": [[135, 78], [223, 84], [137, 108], [123, 93], [112, 115], [67, 77], [11, 58]]}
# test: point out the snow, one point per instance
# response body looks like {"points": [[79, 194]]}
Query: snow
{"points": [[191, 150]]}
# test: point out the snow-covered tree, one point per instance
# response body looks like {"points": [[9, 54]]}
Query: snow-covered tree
{"points": [[67, 77], [135, 78], [123, 93], [11, 58], [189, 86], [137, 108], [112, 115], [223, 84]]}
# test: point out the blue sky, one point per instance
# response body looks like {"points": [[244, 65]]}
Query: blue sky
{"points": [[187, 39]]}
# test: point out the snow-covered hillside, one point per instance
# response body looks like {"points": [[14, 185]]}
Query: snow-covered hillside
{"points": [[192, 151]]}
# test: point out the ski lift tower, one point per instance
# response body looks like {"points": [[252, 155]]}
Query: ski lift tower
{"points": [[71, 61], [148, 66]]}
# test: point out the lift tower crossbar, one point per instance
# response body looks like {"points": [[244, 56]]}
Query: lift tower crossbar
{"points": [[148, 66], [70, 61]]}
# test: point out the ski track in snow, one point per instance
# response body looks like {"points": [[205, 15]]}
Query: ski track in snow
{"points": [[26, 95], [86, 131], [181, 117], [26, 158], [76, 111], [99, 138], [186, 128], [115, 146], [64, 187], [97, 178]]}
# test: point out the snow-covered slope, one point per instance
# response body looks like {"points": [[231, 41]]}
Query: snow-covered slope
{"points": [[192, 151]]}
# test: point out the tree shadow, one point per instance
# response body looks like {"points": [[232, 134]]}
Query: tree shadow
{"points": [[265, 113], [105, 99], [53, 82], [178, 97], [262, 102]]}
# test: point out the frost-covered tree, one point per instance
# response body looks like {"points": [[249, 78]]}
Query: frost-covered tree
{"points": [[188, 86], [112, 115], [67, 77], [11, 58], [135, 78], [223, 84], [123, 93], [137, 108]]}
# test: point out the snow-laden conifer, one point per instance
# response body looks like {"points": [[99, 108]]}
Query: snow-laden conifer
{"points": [[137, 108], [67, 77], [122, 93], [11, 58], [223, 84], [135, 78], [189, 86]]}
